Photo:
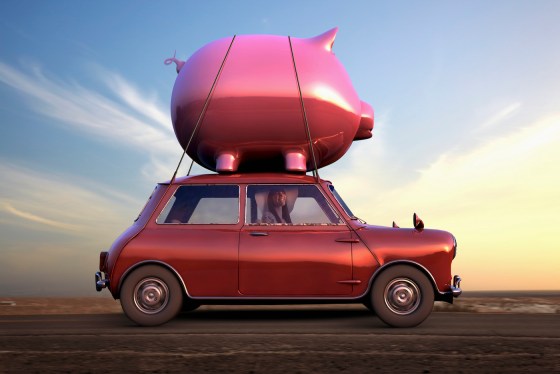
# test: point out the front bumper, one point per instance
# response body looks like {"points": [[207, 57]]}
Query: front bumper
{"points": [[454, 291], [100, 282], [456, 287]]}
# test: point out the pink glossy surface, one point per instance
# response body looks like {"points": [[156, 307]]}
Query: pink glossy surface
{"points": [[254, 117]]}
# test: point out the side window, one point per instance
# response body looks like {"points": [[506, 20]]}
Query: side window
{"points": [[147, 202], [213, 204], [288, 204]]}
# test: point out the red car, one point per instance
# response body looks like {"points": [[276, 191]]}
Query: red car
{"points": [[271, 238]]}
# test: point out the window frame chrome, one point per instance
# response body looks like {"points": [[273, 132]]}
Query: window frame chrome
{"points": [[341, 221], [202, 224]]}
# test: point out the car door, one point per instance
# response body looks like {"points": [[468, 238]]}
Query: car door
{"points": [[304, 252], [197, 233]]}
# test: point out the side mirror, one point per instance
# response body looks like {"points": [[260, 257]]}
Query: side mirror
{"points": [[418, 223], [395, 226]]}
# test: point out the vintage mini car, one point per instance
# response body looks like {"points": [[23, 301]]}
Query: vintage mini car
{"points": [[263, 238]]}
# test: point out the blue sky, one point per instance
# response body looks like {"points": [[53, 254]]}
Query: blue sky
{"points": [[466, 97]]}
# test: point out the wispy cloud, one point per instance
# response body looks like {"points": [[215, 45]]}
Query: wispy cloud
{"points": [[500, 116], [135, 121], [519, 160], [37, 219], [130, 95], [59, 203]]}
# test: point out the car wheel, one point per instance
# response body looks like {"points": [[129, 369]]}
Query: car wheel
{"points": [[151, 296], [402, 296]]}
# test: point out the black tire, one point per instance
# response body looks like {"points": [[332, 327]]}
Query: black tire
{"points": [[151, 296], [402, 296], [368, 304], [189, 305]]}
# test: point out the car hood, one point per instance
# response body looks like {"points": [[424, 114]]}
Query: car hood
{"points": [[388, 243]]}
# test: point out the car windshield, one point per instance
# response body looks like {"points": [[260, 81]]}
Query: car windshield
{"points": [[341, 202]]}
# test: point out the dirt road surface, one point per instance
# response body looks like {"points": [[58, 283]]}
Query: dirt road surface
{"points": [[281, 339]]}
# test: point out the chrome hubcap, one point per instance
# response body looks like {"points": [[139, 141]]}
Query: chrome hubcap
{"points": [[151, 295], [402, 296]]}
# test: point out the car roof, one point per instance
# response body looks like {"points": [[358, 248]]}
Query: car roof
{"points": [[246, 178]]}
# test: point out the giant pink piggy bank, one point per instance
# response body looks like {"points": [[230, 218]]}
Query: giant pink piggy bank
{"points": [[254, 102]]}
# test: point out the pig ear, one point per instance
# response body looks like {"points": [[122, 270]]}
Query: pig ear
{"points": [[326, 39]]}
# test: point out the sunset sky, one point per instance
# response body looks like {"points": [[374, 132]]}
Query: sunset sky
{"points": [[467, 133]]}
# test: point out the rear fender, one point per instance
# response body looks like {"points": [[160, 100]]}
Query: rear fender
{"points": [[152, 262]]}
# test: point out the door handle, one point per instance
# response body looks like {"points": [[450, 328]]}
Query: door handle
{"points": [[257, 233], [347, 240]]}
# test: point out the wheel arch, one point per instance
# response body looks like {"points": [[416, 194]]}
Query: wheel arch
{"points": [[437, 294], [162, 264]]}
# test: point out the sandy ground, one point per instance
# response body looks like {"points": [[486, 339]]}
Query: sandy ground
{"points": [[474, 302]]}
